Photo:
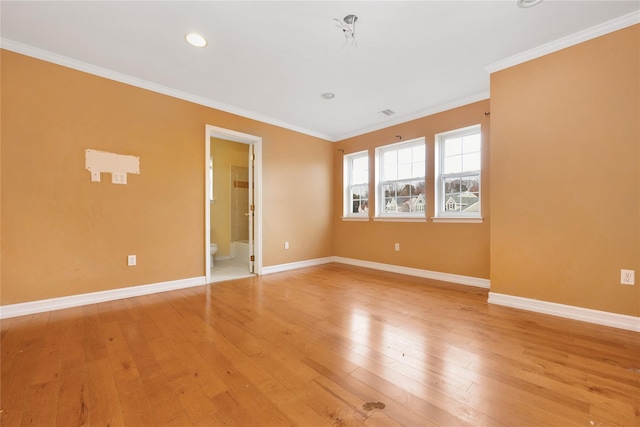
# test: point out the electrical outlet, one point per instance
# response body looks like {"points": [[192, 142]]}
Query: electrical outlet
{"points": [[286, 245], [131, 260], [627, 277], [397, 247]]}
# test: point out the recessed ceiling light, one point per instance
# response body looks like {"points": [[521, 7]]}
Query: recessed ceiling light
{"points": [[328, 95], [196, 40], [528, 3]]}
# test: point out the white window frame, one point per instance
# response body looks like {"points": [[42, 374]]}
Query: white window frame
{"points": [[348, 186], [440, 214], [380, 181]]}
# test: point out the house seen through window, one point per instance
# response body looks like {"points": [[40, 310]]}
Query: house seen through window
{"points": [[458, 166], [356, 179], [400, 179]]}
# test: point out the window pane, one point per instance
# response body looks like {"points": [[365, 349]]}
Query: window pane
{"points": [[451, 198], [403, 204], [360, 192], [462, 194], [453, 164], [359, 170], [418, 153], [470, 183], [404, 196], [391, 193], [390, 166], [404, 156], [451, 185], [360, 164], [404, 171], [389, 190], [401, 177], [471, 143], [357, 179], [359, 199], [417, 169], [452, 146], [471, 162], [404, 189], [458, 182]]}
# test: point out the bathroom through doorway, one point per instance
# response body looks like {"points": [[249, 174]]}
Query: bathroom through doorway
{"points": [[233, 208]]}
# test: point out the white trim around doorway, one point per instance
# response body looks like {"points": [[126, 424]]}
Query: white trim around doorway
{"points": [[231, 135]]}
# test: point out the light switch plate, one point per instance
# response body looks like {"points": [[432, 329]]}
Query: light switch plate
{"points": [[118, 178]]}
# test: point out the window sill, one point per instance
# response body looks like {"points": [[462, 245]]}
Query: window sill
{"points": [[355, 218], [399, 219], [476, 220]]}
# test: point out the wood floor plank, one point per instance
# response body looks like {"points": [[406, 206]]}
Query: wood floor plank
{"points": [[21, 357], [330, 345], [102, 395], [397, 411]]}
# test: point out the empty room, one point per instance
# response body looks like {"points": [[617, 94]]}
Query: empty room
{"points": [[320, 213]]}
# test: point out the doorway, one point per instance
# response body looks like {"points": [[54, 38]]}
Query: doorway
{"points": [[236, 208]]}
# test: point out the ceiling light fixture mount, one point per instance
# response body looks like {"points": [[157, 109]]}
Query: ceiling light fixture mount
{"points": [[528, 3], [350, 19], [195, 39], [348, 27]]}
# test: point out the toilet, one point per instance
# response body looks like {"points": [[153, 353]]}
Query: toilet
{"points": [[213, 248]]}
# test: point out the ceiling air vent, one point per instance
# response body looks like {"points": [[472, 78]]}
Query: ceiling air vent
{"points": [[388, 112]]}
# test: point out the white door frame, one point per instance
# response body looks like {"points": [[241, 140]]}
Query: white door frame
{"points": [[231, 135]]}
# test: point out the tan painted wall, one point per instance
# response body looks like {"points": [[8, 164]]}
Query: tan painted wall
{"points": [[63, 234], [225, 154], [565, 184], [447, 248], [565, 177]]}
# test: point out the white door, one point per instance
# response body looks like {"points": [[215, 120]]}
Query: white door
{"points": [[251, 211]]}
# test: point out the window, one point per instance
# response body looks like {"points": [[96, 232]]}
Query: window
{"points": [[400, 181], [458, 166], [356, 181]]}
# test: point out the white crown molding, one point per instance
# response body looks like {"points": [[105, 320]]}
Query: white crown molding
{"points": [[565, 42], [143, 84], [13, 310], [620, 321], [418, 115], [427, 274]]}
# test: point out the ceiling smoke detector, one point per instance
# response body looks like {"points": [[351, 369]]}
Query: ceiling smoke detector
{"points": [[387, 112], [328, 95]]}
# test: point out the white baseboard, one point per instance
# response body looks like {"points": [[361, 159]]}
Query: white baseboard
{"points": [[21, 309], [605, 318], [295, 265], [445, 277], [427, 274]]}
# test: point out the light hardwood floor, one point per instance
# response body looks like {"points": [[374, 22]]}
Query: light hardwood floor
{"points": [[327, 345]]}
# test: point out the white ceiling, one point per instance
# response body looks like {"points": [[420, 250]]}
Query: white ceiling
{"points": [[272, 60]]}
